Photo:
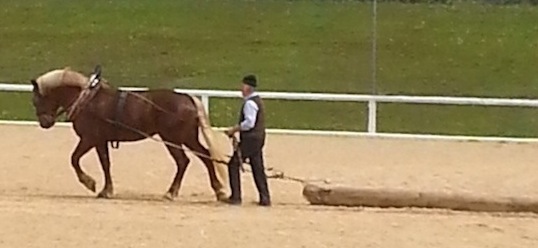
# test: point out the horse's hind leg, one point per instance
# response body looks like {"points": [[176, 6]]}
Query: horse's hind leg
{"points": [[104, 159], [217, 186], [182, 161], [82, 148]]}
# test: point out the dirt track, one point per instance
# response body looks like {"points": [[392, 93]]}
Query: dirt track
{"points": [[43, 205]]}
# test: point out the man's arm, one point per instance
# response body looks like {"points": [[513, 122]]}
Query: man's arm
{"points": [[249, 111]]}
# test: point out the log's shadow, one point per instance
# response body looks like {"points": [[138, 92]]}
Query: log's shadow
{"points": [[406, 211]]}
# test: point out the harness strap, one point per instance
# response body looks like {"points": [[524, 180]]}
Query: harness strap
{"points": [[80, 102], [115, 144]]}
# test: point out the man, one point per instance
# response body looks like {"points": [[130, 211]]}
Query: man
{"points": [[251, 128]]}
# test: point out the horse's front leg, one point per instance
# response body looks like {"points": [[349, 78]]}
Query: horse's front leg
{"points": [[104, 159], [82, 148]]}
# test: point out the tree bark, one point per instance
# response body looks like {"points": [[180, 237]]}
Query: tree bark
{"points": [[385, 198]]}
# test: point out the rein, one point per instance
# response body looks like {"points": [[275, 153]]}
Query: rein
{"points": [[87, 94], [276, 174], [63, 110], [174, 145]]}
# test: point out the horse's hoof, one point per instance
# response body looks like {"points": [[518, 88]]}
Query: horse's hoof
{"points": [[105, 194], [89, 183], [169, 196], [221, 196]]}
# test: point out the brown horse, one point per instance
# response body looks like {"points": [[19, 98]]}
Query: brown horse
{"points": [[175, 117]]}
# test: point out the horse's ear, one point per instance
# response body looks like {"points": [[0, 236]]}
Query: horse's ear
{"points": [[34, 83], [97, 71]]}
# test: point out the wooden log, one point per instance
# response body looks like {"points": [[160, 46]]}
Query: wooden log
{"points": [[389, 198]]}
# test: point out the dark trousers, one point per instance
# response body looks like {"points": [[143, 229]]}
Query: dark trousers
{"points": [[251, 149]]}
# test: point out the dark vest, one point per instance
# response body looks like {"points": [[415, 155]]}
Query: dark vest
{"points": [[258, 131]]}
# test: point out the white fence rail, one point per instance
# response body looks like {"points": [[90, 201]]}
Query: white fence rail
{"points": [[372, 100]]}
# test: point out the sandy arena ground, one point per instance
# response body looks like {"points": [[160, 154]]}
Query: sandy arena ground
{"points": [[43, 205]]}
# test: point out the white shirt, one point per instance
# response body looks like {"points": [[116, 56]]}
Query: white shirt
{"points": [[250, 110]]}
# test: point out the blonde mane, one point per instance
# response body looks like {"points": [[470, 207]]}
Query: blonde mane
{"points": [[60, 77]]}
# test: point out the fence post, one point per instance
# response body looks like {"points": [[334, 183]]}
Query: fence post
{"points": [[205, 101], [372, 116]]}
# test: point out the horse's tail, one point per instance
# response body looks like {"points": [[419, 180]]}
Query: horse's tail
{"points": [[212, 144]]}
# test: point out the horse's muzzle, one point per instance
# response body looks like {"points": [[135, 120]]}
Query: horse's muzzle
{"points": [[46, 121]]}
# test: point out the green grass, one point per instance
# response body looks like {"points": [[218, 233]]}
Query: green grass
{"points": [[462, 49]]}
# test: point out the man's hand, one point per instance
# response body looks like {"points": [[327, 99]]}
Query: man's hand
{"points": [[232, 130]]}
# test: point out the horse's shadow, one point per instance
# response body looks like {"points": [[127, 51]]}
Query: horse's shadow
{"points": [[123, 198], [153, 199]]}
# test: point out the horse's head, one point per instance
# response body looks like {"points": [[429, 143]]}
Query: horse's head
{"points": [[55, 89]]}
